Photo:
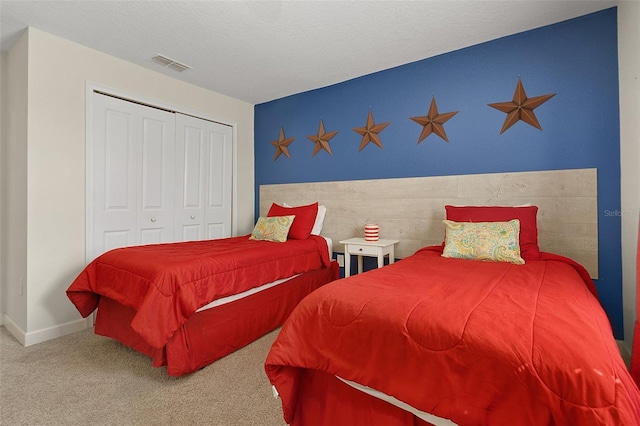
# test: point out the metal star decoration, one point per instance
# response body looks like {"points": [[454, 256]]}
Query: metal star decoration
{"points": [[433, 122], [370, 132], [521, 108], [321, 140], [282, 145]]}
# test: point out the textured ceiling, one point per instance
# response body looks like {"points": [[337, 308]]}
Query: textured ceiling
{"points": [[258, 51]]}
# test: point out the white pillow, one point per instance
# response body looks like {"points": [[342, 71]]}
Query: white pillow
{"points": [[317, 225]]}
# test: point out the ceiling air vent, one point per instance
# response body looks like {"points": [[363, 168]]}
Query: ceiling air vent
{"points": [[170, 63]]}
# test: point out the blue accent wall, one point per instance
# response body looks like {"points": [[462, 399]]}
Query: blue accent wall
{"points": [[575, 59]]}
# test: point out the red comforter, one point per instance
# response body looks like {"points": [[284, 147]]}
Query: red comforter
{"points": [[167, 283], [479, 343]]}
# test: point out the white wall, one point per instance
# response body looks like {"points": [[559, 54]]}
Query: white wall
{"points": [[57, 75], [629, 76]]}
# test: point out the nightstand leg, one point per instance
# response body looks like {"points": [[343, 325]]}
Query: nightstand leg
{"points": [[359, 264], [347, 264], [380, 260], [392, 256]]}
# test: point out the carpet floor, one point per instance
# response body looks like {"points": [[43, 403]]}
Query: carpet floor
{"points": [[85, 379]]}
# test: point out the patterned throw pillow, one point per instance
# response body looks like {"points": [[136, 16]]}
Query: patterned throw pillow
{"points": [[495, 241], [527, 215], [274, 228]]}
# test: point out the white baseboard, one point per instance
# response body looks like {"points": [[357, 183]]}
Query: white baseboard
{"points": [[39, 336], [13, 328]]}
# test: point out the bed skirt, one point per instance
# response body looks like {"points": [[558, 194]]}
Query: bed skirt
{"points": [[324, 400], [214, 333]]}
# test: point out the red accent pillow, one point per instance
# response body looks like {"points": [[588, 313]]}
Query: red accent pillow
{"points": [[527, 216], [305, 217]]}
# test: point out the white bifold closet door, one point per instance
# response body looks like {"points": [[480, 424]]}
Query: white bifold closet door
{"points": [[157, 176], [133, 174], [203, 179]]}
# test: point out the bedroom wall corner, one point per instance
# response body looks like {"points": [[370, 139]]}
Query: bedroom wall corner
{"points": [[2, 139], [629, 77], [13, 184]]}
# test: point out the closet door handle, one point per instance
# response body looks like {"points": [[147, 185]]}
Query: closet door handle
{"points": [[153, 219], [193, 217]]}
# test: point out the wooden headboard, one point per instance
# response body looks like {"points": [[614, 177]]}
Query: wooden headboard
{"points": [[412, 209]]}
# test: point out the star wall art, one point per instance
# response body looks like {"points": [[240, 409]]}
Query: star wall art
{"points": [[370, 132], [433, 122], [282, 145], [521, 108], [321, 140]]}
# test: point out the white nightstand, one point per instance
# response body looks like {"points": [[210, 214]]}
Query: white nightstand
{"points": [[360, 247]]}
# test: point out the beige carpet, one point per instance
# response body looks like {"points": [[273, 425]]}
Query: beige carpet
{"points": [[84, 379]]}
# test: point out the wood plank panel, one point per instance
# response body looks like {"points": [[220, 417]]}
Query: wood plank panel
{"points": [[412, 209]]}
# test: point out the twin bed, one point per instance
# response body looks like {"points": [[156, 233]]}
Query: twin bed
{"points": [[188, 304], [473, 331]]}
